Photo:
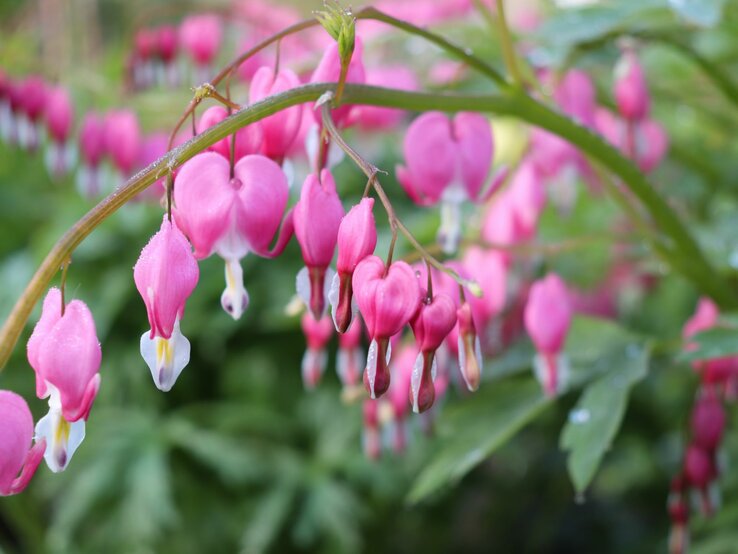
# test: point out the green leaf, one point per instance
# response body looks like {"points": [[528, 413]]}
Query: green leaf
{"points": [[268, 518], [475, 429], [594, 422], [713, 343]]}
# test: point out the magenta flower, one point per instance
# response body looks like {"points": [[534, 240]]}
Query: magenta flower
{"points": [[547, 318], [371, 438], [18, 459], [631, 89], [92, 150], [387, 298], [357, 237], [350, 356], [329, 71], [469, 347], [31, 99], [232, 216], [166, 273], [431, 324], [65, 353], [122, 140], [375, 118], [280, 129], [201, 36], [153, 147], [59, 115], [248, 139], [317, 335], [167, 43], [708, 420], [447, 160], [527, 197], [489, 269], [644, 141], [317, 217], [402, 373]]}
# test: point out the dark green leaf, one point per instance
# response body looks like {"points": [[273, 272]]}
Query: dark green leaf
{"points": [[713, 343]]}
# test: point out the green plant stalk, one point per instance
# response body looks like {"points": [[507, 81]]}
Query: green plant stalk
{"points": [[695, 266], [508, 47]]}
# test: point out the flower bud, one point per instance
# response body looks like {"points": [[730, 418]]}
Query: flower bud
{"points": [[18, 459], [317, 217], [469, 349], [357, 238], [631, 90], [317, 334], [350, 356], [708, 421], [201, 35], [122, 139]]}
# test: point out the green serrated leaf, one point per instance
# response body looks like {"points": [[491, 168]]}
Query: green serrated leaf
{"points": [[594, 422], [505, 408]]}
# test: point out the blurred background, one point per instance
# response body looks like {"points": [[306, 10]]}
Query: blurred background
{"points": [[239, 457]]}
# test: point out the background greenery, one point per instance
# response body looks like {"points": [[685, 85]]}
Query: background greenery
{"points": [[239, 457]]}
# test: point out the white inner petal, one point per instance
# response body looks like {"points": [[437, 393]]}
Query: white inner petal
{"points": [[62, 438], [166, 358], [235, 298]]}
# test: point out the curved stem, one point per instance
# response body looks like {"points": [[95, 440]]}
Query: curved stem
{"points": [[691, 261]]}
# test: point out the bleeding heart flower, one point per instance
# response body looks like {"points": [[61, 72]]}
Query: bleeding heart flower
{"points": [[374, 118], [387, 298], [18, 459], [432, 323], [232, 216], [548, 317], [708, 420], [357, 238], [350, 354], [200, 36], [92, 150], [65, 353], [448, 160], [329, 71], [248, 139], [280, 129], [59, 115], [372, 438], [317, 334], [631, 89], [122, 140], [166, 273], [317, 217]]}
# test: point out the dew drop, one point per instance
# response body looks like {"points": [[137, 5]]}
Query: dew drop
{"points": [[579, 416]]}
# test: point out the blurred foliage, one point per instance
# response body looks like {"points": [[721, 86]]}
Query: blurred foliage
{"points": [[238, 457]]}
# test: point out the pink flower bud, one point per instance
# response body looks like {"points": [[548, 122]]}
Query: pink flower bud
{"points": [[576, 96], [248, 139], [59, 114], [699, 467], [122, 139], [167, 43], [317, 217], [317, 334], [65, 353], [92, 139], [201, 35], [357, 237], [145, 42], [32, 93], [631, 90], [547, 318], [431, 325], [489, 269], [280, 129], [402, 371], [708, 421], [153, 147], [469, 349], [350, 356], [17, 456], [329, 71], [231, 216], [527, 198], [387, 299]]}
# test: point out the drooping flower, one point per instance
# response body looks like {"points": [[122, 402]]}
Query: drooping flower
{"points": [[329, 70], [92, 150], [631, 89], [59, 114], [166, 273], [31, 97], [374, 118], [317, 334], [248, 139], [387, 298], [153, 147], [232, 216], [402, 373], [357, 238], [317, 217], [372, 437], [122, 140], [447, 160], [708, 420], [548, 317], [469, 347], [645, 141], [280, 129], [65, 353], [431, 324], [712, 370], [201, 36], [18, 459]]}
